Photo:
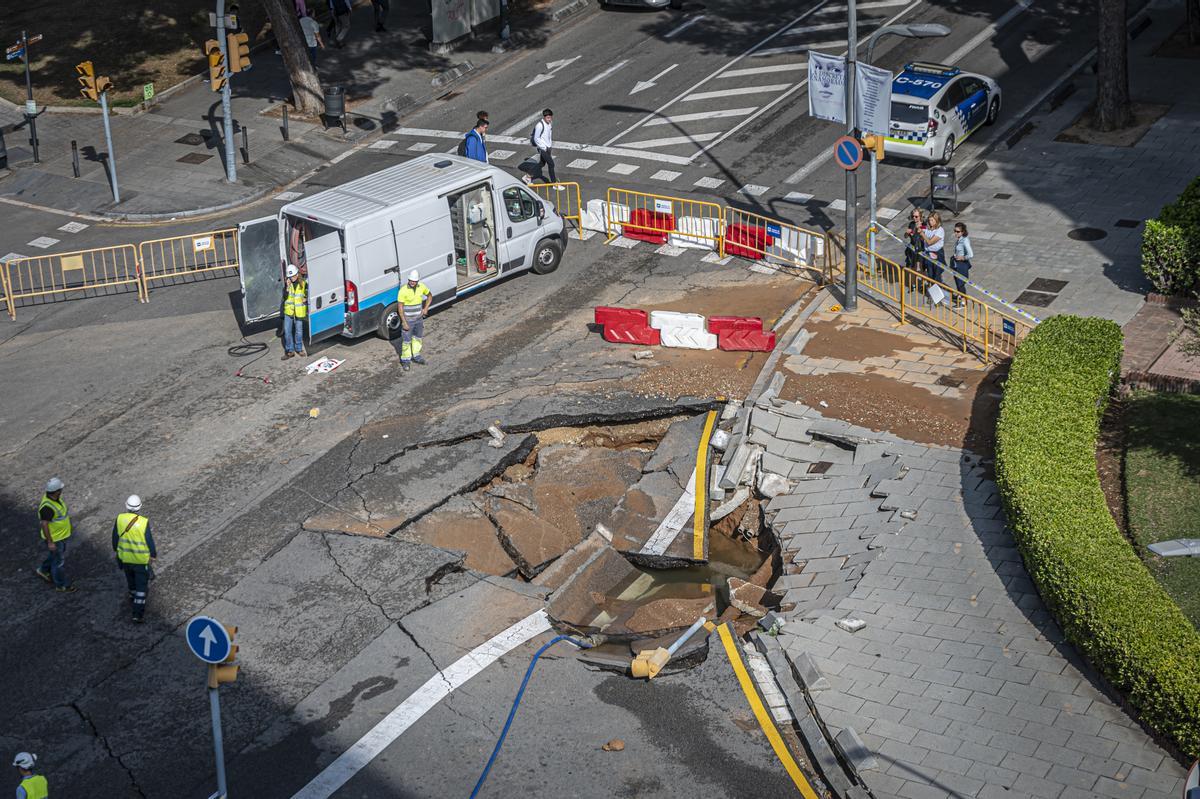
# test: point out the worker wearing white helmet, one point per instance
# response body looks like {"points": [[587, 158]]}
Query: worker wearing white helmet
{"points": [[134, 545], [33, 786], [55, 522], [295, 311], [414, 299]]}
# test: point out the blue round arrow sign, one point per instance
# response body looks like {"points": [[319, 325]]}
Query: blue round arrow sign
{"points": [[847, 152], [207, 639]]}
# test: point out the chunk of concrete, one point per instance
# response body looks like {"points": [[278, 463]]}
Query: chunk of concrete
{"points": [[730, 505], [772, 485], [557, 573], [460, 525], [854, 750], [529, 540], [752, 599], [808, 672]]}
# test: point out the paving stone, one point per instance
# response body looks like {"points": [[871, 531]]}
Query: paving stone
{"points": [[855, 750]]}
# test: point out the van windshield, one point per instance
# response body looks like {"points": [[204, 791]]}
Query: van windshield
{"points": [[910, 113]]}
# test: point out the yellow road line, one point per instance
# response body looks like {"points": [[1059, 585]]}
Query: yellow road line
{"points": [[764, 719], [702, 487]]}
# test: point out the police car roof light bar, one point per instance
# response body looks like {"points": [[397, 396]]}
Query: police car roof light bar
{"points": [[930, 68]]}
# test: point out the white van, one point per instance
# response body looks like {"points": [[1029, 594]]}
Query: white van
{"points": [[460, 223]]}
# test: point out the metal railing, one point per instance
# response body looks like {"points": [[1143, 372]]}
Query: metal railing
{"points": [[180, 256], [759, 237], [51, 277], [7, 296], [565, 198], [659, 217]]}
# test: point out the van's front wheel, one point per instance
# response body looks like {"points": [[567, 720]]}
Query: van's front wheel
{"points": [[547, 256], [389, 323]]}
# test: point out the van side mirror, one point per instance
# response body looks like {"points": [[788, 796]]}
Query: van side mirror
{"points": [[541, 212]]}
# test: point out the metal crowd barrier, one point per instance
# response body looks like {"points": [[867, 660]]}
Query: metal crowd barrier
{"points": [[760, 237], [180, 256], [656, 216], [565, 198], [7, 296], [52, 276]]}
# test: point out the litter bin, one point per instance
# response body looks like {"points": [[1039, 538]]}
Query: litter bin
{"points": [[335, 106]]}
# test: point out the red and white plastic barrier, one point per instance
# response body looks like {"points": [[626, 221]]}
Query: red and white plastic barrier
{"points": [[684, 330]]}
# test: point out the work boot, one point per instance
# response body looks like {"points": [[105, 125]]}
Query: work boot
{"points": [[419, 359], [137, 619], [286, 355], [66, 589], [303, 353], [44, 575], [404, 365]]}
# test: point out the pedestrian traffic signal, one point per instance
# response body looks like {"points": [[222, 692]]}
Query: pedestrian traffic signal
{"points": [[873, 141], [216, 65], [87, 80], [238, 47], [227, 669]]}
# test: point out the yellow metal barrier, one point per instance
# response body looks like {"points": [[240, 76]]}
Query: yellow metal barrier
{"points": [[566, 200], [8, 303], [654, 215], [84, 270], [760, 237], [193, 254]]}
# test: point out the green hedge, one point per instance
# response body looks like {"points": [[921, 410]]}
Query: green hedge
{"points": [[1171, 244], [1108, 605]]}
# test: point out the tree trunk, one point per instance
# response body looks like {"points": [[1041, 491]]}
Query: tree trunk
{"points": [[1113, 107], [306, 86]]}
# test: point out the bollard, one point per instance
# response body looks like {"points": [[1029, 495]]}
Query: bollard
{"points": [[75, 157], [245, 145], [285, 122]]}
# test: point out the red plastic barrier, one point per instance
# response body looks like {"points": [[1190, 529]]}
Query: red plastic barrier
{"points": [[746, 241], [625, 333], [719, 324], [746, 340], [651, 226], [607, 314]]}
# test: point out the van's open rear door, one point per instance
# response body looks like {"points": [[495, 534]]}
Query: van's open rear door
{"points": [[326, 286], [259, 268]]}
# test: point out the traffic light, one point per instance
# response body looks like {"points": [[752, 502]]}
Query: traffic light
{"points": [[216, 65], [238, 47], [103, 84], [873, 141], [87, 80], [227, 669]]}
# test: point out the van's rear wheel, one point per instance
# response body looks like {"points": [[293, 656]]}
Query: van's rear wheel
{"points": [[547, 256], [389, 323]]}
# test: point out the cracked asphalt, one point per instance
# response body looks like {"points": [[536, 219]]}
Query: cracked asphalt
{"points": [[334, 629]]}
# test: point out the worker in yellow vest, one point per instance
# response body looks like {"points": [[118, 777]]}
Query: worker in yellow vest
{"points": [[295, 311], [134, 545], [33, 786], [55, 522], [414, 299]]}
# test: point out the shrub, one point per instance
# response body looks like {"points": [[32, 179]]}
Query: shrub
{"points": [[1108, 605], [1171, 244]]}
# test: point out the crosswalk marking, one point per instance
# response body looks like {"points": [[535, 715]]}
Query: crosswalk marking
{"points": [[797, 197], [382, 144], [665, 175], [678, 118], [623, 243], [288, 196], [42, 242], [739, 73], [500, 155], [623, 169], [73, 227], [421, 147], [774, 87], [670, 249], [581, 163], [708, 183], [838, 205], [753, 190], [670, 141]]}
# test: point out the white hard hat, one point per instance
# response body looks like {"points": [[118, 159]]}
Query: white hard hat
{"points": [[54, 484], [292, 270], [24, 760], [134, 503], [414, 275]]}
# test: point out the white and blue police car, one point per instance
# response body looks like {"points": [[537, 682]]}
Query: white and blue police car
{"points": [[935, 108]]}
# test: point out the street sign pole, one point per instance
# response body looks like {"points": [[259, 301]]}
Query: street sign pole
{"points": [[230, 165], [212, 642], [214, 704], [851, 299], [30, 118], [112, 158], [871, 221]]}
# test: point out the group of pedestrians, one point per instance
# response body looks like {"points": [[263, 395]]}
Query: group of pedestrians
{"points": [[474, 143], [925, 249], [337, 31]]}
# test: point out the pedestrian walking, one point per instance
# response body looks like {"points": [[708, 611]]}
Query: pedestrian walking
{"points": [[414, 299], [312, 36], [301, 9], [473, 145], [339, 22], [55, 521], [136, 553], [934, 237], [481, 115], [33, 786], [961, 262], [381, 11], [295, 311], [542, 138], [914, 244]]}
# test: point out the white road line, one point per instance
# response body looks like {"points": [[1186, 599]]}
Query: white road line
{"points": [[563, 146], [424, 699], [864, 6], [642, 85], [673, 522], [337, 159], [671, 141], [738, 73], [524, 124], [605, 73], [804, 171], [797, 48], [728, 112], [774, 87], [827, 26], [684, 26], [988, 32]]}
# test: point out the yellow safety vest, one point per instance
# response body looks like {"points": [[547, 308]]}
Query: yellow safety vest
{"points": [[296, 303], [35, 787], [60, 525], [131, 542], [410, 296]]}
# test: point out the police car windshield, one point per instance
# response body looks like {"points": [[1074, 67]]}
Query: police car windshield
{"points": [[910, 113]]}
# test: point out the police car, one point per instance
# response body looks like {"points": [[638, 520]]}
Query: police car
{"points": [[935, 108]]}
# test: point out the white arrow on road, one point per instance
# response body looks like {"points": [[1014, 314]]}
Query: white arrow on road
{"points": [[642, 85], [207, 636], [553, 67]]}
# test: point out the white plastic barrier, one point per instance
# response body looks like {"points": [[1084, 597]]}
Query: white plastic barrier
{"points": [[692, 231], [597, 212], [660, 320], [688, 338]]}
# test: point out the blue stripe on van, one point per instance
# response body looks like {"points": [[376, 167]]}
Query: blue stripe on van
{"points": [[326, 318], [385, 297]]}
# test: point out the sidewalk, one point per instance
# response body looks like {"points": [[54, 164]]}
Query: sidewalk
{"points": [[1027, 212], [170, 160]]}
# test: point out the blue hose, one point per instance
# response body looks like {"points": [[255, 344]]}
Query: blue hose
{"points": [[512, 713]]}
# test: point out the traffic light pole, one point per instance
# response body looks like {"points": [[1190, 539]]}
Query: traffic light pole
{"points": [[851, 299], [871, 200], [214, 703], [112, 158], [230, 163], [31, 119]]}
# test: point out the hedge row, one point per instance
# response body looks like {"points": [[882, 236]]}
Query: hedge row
{"points": [[1171, 244], [1108, 605]]}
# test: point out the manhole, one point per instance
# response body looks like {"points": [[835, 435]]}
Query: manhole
{"points": [[1128, 223], [190, 139], [950, 382], [1087, 234], [1002, 196], [193, 158], [1037, 299], [1047, 285]]}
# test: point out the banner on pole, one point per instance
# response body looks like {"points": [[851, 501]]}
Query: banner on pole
{"points": [[827, 87], [873, 91]]}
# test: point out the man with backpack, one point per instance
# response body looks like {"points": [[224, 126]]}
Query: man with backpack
{"points": [[473, 144], [542, 138]]}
